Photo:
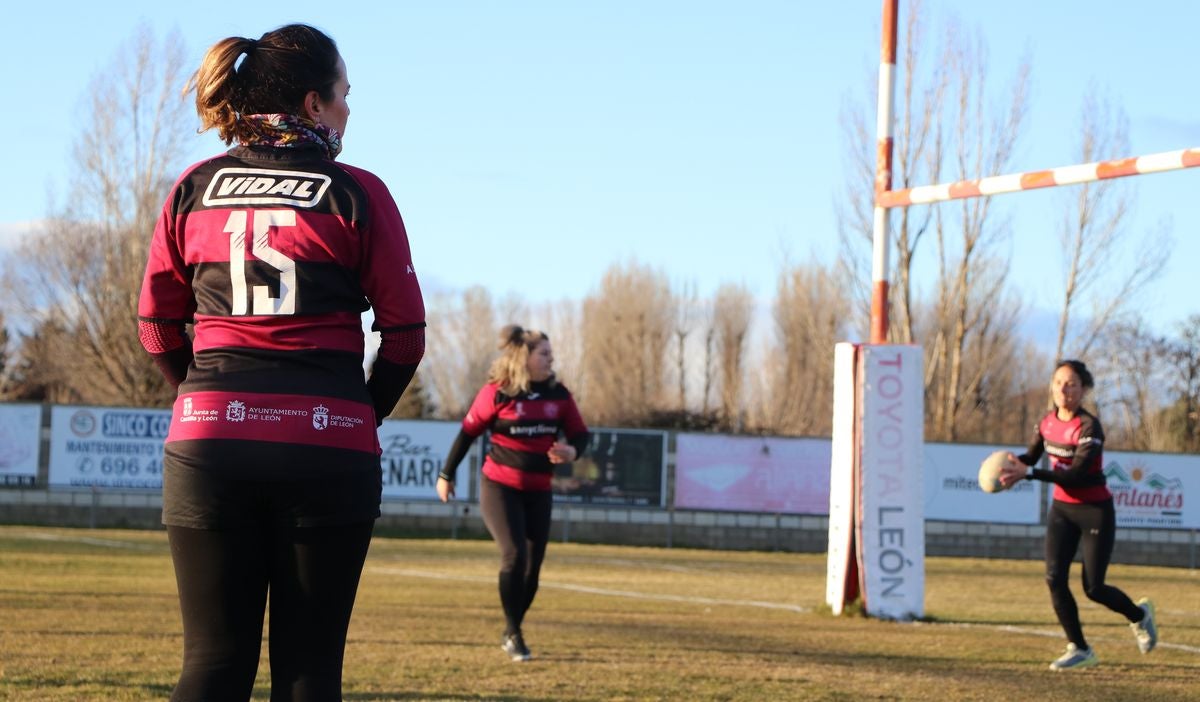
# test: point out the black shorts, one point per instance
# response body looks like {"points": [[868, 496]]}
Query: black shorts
{"points": [[203, 499]]}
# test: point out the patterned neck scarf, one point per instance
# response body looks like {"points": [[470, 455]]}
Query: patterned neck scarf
{"points": [[284, 131]]}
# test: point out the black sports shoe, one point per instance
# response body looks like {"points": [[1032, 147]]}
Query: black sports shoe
{"points": [[514, 646]]}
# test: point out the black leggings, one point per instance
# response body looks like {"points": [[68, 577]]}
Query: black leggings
{"points": [[519, 521], [224, 575], [1095, 524]]}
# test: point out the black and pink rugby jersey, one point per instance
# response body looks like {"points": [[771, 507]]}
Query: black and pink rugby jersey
{"points": [[523, 429], [275, 253], [1076, 449]]}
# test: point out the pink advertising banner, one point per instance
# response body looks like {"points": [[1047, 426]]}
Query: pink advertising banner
{"points": [[752, 474]]}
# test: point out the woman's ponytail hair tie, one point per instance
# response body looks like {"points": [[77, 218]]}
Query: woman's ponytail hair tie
{"points": [[511, 335]]}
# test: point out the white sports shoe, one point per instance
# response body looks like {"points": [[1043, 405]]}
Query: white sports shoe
{"points": [[514, 646], [1075, 658], [1146, 631]]}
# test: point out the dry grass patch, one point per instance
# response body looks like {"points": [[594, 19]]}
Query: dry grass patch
{"points": [[92, 615]]}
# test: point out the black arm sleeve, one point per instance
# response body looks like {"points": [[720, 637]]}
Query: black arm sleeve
{"points": [[458, 451], [174, 364], [1036, 448], [580, 443], [388, 382]]}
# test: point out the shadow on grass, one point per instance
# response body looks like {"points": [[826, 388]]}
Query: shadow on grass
{"points": [[157, 691], [104, 685], [855, 610], [1031, 622]]}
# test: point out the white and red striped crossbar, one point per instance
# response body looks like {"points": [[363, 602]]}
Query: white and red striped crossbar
{"points": [[1030, 180]]}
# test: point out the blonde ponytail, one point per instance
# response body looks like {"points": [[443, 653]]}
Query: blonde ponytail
{"points": [[511, 370]]}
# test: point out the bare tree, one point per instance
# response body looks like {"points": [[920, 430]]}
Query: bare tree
{"points": [[947, 129], [733, 311], [626, 331], [687, 313], [28, 377], [462, 341], [810, 314], [1017, 391], [1183, 355], [1094, 232], [970, 277], [709, 360], [921, 104], [560, 320], [74, 283], [1002, 378], [7, 367], [1132, 368]]}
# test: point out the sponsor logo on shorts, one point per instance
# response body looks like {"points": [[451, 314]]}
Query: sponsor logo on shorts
{"points": [[257, 186]]}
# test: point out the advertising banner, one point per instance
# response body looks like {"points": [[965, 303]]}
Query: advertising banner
{"points": [[620, 467], [414, 452], [752, 474], [891, 524], [1154, 490], [111, 447], [952, 488], [20, 440]]}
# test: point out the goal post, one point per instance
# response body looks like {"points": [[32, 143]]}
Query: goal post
{"points": [[876, 506], [876, 493]]}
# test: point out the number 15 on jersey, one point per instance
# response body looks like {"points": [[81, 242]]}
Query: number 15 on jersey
{"points": [[263, 303]]}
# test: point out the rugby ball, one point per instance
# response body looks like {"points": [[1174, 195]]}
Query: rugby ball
{"points": [[989, 472]]}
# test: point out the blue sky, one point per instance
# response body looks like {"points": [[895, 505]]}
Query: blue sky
{"points": [[532, 144]]}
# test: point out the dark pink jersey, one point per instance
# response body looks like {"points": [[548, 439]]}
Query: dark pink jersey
{"points": [[1076, 450], [523, 427], [274, 254]]}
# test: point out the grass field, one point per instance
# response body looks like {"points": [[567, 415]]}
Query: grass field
{"points": [[92, 615]]}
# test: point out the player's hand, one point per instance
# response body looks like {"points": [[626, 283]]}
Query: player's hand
{"points": [[561, 452], [1013, 471], [445, 489]]}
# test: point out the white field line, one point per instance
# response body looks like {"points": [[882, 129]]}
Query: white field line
{"points": [[1048, 633], [90, 541], [405, 572], [630, 563], [489, 580]]}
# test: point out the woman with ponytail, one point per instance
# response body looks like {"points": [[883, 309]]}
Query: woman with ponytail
{"points": [[534, 425], [271, 480], [1082, 514]]}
